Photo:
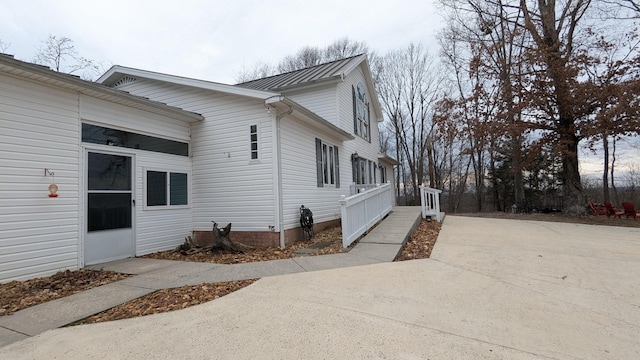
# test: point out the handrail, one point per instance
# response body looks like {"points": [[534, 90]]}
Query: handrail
{"points": [[361, 211]]}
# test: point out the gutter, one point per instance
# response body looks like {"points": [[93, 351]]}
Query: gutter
{"points": [[25, 70], [315, 119], [279, 178]]}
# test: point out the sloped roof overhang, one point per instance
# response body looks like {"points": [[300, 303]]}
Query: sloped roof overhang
{"points": [[116, 72], [285, 104], [387, 159], [44, 75]]}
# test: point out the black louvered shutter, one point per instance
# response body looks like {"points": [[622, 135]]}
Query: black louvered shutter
{"points": [[354, 171], [337, 162], [369, 125], [319, 163], [355, 114]]}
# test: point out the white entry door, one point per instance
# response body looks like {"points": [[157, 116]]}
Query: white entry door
{"points": [[109, 217]]}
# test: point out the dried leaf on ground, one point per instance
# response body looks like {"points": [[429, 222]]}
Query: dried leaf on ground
{"points": [[18, 295], [330, 238], [421, 241], [168, 300]]}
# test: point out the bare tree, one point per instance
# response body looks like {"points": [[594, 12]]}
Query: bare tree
{"points": [[306, 57], [60, 54], [4, 46], [344, 48], [409, 84], [257, 71]]}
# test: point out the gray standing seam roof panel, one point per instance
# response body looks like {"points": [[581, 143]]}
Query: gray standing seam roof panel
{"points": [[300, 77]]}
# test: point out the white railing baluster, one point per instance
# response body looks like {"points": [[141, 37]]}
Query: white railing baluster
{"points": [[361, 211], [430, 202]]}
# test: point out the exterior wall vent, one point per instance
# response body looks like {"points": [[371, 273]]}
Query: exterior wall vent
{"points": [[125, 81]]}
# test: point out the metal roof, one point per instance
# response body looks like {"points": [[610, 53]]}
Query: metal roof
{"points": [[117, 72], [311, 75]]}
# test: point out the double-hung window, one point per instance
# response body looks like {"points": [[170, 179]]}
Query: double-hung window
{"points": [[361, 123], [327, 164], [166, 189], [364, 171]]}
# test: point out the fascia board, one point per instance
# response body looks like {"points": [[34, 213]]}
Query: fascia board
{"points": [[116, 71], [314, 118], [69, 82]]}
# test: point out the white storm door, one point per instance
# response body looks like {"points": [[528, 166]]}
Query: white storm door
{"points": [[109, 216]]}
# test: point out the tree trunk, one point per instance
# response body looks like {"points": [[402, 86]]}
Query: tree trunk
{"points": [[613, 164], [573, 193], [605, 173], [222, 241]]}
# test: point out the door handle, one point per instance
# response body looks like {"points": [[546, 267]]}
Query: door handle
{"points": [[134, 202]]}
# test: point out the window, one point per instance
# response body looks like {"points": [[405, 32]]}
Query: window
{"points": [[166, 188], [253, 133], [361, 112], [364, 171], [327, 164], [375, 178], [106, 136], [383, 174]]}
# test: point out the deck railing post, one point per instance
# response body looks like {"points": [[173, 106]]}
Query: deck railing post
{"points": [[430, 202]]}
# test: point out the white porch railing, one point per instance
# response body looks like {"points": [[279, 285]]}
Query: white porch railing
{"points": [[358, 188], [430, 201], [361, 211]]}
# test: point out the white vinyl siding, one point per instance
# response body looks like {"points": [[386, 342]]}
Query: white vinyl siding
{"points": [[321, 100], [157, 229], [40, 130], [137, 121], [229, 186], [160, 228], [299, 173]]}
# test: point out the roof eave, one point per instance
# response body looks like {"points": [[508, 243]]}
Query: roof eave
{"points": [[69, 82], [313, 118], [388, 159], [116, 72]]}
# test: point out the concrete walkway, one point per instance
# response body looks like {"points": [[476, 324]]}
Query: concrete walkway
{"points": [[382, 244], [492, 289]]}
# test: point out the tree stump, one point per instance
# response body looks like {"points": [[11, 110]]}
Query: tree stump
{"points": [[221, 240], [189, 247]]}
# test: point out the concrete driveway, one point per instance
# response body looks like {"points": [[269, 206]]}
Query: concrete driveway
{"points": [[496, 289]]}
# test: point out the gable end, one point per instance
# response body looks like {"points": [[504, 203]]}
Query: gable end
{"points": [[126, 80]]}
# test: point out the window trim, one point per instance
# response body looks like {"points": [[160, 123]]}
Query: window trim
{"points": [[97, 134], [361, 124], [364, 170], [167, 173], [327, 165], [257, 142]]}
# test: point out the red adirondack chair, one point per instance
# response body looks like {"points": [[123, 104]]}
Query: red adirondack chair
{"points": [[597, 210], [610, 210], [629, 210]]}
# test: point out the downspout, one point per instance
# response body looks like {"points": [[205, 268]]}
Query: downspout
{"points": [[279, 180]]}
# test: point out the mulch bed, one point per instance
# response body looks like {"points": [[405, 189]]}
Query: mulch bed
{"points": [[167, 300], [332, 237], [18, 295]]}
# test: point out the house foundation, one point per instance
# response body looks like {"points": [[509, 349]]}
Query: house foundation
{"points": [[263, 239]]}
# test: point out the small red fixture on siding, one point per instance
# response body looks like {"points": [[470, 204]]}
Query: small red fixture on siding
{"points": [[53, 188]]}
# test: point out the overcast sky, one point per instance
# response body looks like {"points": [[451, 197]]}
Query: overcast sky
{"points": [[212, 39]]}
